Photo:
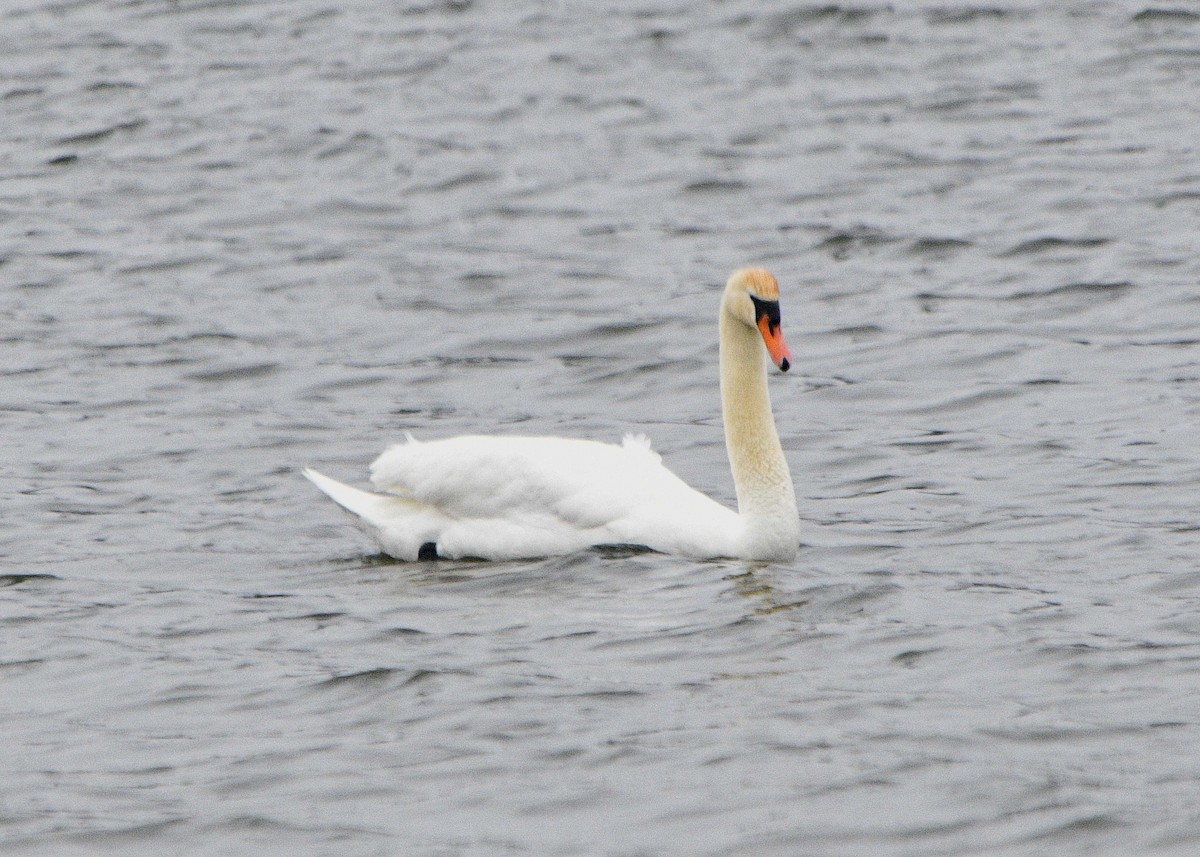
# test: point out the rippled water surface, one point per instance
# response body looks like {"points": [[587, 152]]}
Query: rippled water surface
{"points": [[240, 237]]}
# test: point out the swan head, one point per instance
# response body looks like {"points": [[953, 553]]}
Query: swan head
{"points": [[752, 297]]}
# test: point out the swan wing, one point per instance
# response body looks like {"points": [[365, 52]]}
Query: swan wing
{"points": [[530, 496]]}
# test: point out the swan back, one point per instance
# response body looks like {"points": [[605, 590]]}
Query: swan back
{"points": [[504, 494]]}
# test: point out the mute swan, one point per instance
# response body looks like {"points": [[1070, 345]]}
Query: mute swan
{"points": [[503, 498]]}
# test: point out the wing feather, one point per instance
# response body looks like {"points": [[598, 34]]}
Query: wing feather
{"points": [[581, 483]]}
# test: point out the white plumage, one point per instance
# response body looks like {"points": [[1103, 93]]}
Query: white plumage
{"points": [[512, 497], [516, 497]]}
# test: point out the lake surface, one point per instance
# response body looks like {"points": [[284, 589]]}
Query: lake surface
{"points": [[238, 238]]}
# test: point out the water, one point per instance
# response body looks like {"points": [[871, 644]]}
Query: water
{"points": [[243, 237]]}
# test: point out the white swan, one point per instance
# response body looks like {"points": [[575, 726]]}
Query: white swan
{"points": [[522, 497]]}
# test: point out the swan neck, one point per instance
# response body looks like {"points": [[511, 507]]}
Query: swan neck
{"points": [[766, 497]]}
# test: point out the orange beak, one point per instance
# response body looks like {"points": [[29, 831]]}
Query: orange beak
{"points": [[776, 347]]}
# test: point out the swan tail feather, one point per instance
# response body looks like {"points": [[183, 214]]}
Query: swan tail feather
{"points": [[404, 528], [375, 509], [362, 503]]}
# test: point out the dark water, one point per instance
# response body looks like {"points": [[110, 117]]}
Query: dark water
{"points": [[237, 238]]}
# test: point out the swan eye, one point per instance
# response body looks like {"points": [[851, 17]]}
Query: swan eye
{"points": [[768, 310], [767, 321]]}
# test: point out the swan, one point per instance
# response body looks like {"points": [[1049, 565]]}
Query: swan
{"points": [[504, 498]]}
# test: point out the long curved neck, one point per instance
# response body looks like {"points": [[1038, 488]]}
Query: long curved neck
{"points": [[766, 497]]}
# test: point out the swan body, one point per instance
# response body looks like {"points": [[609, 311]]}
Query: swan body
{"points": [[502, 498]]}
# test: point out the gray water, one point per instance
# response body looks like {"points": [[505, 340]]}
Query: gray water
{"points": [[241, 237]]}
